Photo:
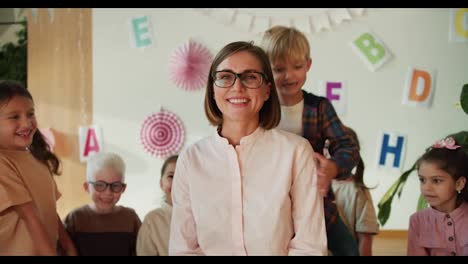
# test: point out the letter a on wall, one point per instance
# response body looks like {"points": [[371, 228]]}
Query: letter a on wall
{"points": [[371, 50], [140, 32], [391, 150], [90, 141], [419, 87], [458, 25], [336, 93]]}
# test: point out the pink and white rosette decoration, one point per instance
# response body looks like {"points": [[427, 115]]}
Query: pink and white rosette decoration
{"points": [[162, 134], [189, 66], [49, 137]]}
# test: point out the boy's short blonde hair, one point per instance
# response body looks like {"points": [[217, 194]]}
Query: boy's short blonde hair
{"points": [[283, 44], [104, 160]]}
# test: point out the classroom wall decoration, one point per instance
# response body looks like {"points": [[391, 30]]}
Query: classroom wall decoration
{"points": [[337, 93], [162, 134], [458, 30], [140, 32], [90, 140], [309, 21], [371, 50], [48, 137], [391, 150], [189, 65], [419, 87]]}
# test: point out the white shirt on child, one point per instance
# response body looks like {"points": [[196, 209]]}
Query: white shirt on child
{"points": [[291, 118]]}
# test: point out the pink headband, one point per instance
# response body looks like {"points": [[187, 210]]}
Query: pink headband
{"points": [[448, 143]]}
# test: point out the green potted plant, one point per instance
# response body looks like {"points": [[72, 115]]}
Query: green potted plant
{"points": [[13, 58], [385, 204]]}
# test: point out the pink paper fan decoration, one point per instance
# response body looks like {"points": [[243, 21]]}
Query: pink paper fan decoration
{"points": [[162, 134], [49, 137], [189, 66]]}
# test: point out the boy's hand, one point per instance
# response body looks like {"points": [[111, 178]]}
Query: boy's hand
{"points": [[326, 172]]}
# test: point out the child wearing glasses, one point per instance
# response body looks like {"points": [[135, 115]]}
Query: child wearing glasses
{"points": [[314, 118], [102, 228], [153, 237]]}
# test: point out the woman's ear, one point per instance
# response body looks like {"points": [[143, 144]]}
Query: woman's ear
{"points": [[86, 186], [267, 94]]}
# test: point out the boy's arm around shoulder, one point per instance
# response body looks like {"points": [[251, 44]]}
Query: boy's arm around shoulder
{"points": [[343, 147]]}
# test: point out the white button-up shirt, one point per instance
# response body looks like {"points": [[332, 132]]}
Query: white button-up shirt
{"points": [[257, 198]]}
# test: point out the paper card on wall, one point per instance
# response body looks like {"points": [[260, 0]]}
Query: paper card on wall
{"points": [[371, 50], [140, 32], [260, 24], [321, 21], [90, 140], [224, 15], [458, 31], [303, 24], [34, 14], [336, 93], [390, 150], [419, 87], [281, 21], [244, 21], [51, 12]]}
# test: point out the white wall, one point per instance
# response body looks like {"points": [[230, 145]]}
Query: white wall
{"points": [[130, 84]]}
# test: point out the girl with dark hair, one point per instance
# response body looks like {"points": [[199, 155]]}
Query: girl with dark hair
{"points": [[28, 193], [442, 229]]}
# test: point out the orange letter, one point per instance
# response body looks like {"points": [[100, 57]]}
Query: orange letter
{"points": [[413, 94]]}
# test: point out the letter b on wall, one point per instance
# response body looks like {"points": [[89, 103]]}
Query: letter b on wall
{"points": [[371, 50]]}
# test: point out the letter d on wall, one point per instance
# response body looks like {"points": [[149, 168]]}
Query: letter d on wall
{"points": [[90, 141], [419, 87]]}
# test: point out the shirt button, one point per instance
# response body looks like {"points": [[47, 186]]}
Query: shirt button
{"points": [[449, 223], [447, 216], [453, 253], [450, 238]]}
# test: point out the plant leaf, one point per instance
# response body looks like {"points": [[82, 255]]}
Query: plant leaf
{"points": [[385, 203], [464, 98], [422, 203]]}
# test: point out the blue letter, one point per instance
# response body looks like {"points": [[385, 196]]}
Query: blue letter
{"points": [[388, 149]]}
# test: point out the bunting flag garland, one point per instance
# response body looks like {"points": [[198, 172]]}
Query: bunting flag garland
{"points": [[256, 21]]}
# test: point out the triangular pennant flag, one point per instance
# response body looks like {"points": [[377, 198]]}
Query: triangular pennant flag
{"points": [[260, 24], [51, 14], [320, 21], [281, 21], [338, 15], [244, 21], [224, 15], [356, 11], [303, 24]]}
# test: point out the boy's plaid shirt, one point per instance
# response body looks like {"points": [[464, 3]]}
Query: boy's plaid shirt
{"points": [[320, 122]]}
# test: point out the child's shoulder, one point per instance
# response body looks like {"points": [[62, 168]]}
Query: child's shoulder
{"points": [[311, 99]]}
